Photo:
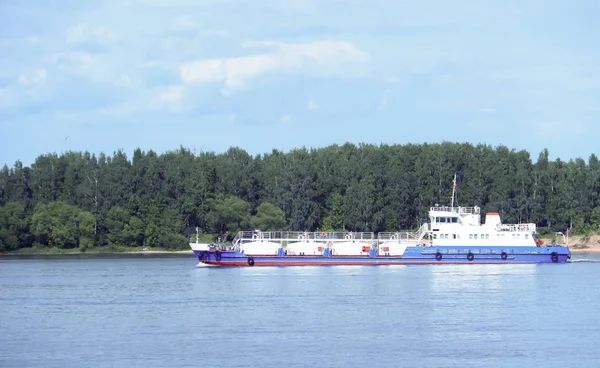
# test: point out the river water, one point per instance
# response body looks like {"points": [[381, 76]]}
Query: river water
{"points": [[166, 312]]}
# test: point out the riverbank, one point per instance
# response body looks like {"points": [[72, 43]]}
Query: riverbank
{"points": [[93, 251], [583, 244]]}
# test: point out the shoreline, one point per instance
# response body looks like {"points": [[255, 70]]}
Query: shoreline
{"points": [[95, 253]]}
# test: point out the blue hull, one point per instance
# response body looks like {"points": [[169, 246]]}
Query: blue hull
{"points": [[412, 255]]}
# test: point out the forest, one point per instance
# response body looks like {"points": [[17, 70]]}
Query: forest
{"points": [[82, 200]]}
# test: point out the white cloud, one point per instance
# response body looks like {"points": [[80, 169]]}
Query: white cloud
{"points": [[171, 97], [312, 105], [318, 56], [83, 33], [118, 69], [33, 78]]}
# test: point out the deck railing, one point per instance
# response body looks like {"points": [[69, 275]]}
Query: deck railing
{"points": [[322, 236], [470, 210]]}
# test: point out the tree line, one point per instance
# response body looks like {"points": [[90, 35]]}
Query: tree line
{"points": [[82, 200]]}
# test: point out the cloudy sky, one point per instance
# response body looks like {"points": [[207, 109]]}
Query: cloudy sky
{"points": [[103, 75]]}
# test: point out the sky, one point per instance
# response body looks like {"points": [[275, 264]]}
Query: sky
{"points": [[109, 75]]}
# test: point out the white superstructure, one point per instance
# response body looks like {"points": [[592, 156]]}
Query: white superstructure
{"points": [[462, 226]]}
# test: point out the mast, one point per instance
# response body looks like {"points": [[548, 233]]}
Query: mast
{"points": [[453, 190]]}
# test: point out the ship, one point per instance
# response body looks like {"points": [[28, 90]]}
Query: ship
{"points": [[450, 235]]}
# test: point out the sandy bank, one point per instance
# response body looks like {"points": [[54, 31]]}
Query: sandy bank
{"points": [[582, 245]]}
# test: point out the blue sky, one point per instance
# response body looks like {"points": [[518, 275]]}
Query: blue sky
{"points": [[281, 74]]}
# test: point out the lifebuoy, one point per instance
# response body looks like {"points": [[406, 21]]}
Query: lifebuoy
{"points": [[347, 237], [323, 234], [250, 261], [503, 255], [470, 256], [438, 256], [554, 257], [255, 236], [218, 256]]}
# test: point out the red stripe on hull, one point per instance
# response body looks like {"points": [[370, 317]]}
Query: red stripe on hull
{"points": [[290, 264]]}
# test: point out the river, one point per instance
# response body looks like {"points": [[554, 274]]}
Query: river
{"points": [[146, 311]]}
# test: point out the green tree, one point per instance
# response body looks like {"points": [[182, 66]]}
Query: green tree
{"points": [[595, 219], [268, 218], [228, 215], [116, 220], [58, 224], [335, 219], [133, 232], [14, 227], [360, 207]]}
